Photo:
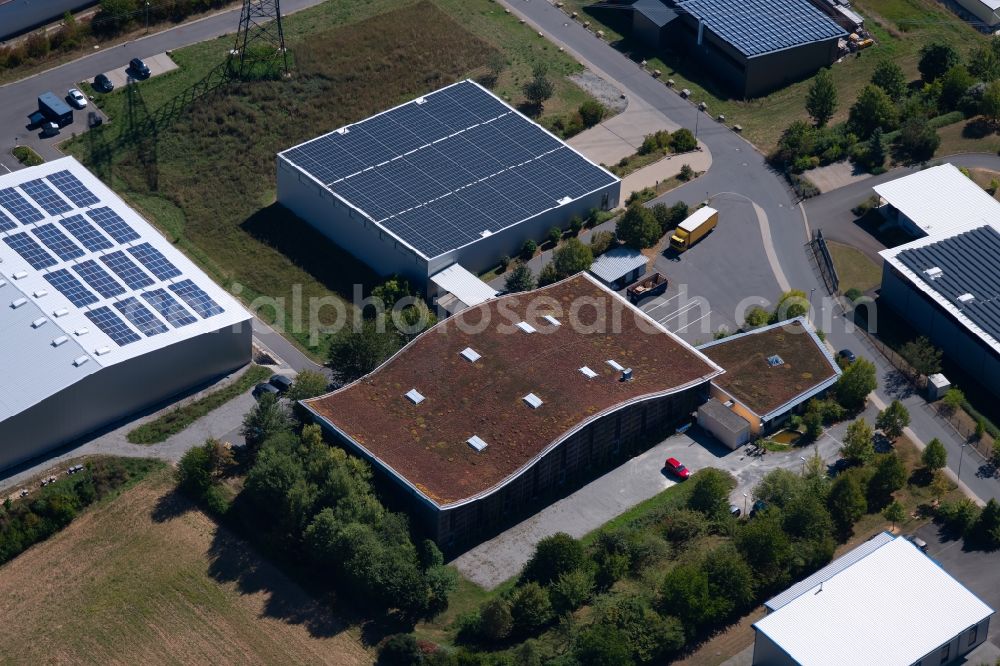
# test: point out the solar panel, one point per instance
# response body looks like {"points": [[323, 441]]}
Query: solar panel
{"points": [[196, 299], [168, 307], [126, 269], [98, 278], [57, 241], [45, 196], [6, 224], [154, 261], [32, 252], [112, 325], [73, 189], [12, 200], [113, 224], [140, 316], [86, 233], [71, 288]]}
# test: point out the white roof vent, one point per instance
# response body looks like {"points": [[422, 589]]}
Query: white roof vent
{"points": [[342, 131], [965, 298], [615, 364], [420, 100], [38, 323], [552, 320], [414, 396], [565, 200], [62, 339], [81, 331], [526, 327], [80, 360], [588, 373], [533, 401], [477, 443], [18, 302], [101, 351], [20, 275], [934, 273], [61, 312], [470, 354], [485, 233], [41, 292], [3, 283]]}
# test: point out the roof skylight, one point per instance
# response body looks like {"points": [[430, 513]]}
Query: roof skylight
{"points": [[414, 396], [470, 354], [532, 400], [526, 327], [477, 443], [588, 373]]}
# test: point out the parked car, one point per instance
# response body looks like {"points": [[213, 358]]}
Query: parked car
{"points": [[49, 128], [261, 389], [103, 84], [139, 68], [280, 382], [757, 507], [847, 356], [675, 467], [76, 98], [918, 542], [735, 511]]}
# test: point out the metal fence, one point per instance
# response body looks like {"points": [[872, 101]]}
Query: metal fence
{"points": [[825, 262]]}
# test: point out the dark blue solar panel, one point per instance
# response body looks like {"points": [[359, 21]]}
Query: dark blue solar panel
{"points": [[85, 232], [113, 224], [45, 196], [98, 278], [126, 269], [475, 100], [154, 261], [57, 241], [71, 288], [19, 207], [196, 299], [112, 325], [168, 307], [141, 317], [74, 190], [6, 224], [32, 252]]}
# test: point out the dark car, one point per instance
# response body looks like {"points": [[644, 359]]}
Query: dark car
{"points": [[847, 356], [735, 511], [103, 84], [674, 466], [280, 382], [138, 67], [757, 507], [261, 389]]}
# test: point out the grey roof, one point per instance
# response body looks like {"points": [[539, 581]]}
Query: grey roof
{"points": [[616, 263], [448, 169], [830, 570], [655, 11], [970, 264], [756, 27], [724, 416]]}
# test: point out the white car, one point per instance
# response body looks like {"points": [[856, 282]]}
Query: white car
{"points": [[77, 97]]}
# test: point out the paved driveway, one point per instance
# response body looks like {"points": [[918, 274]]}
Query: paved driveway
{"points": [[158, 64], [622, 134]]}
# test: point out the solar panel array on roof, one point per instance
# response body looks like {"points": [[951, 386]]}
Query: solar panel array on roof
{"points": [[168, 307], [6, 224], [57, 241], [32, 252], [71, 288], [112, 325], [126, 269], [85, 232], [19, 207], [447, 169], [154, 260], [44, 195], [113, 224], [73, 189], [140, 316], [99, 279], [756, 27], [196, 298], [970, 264]]}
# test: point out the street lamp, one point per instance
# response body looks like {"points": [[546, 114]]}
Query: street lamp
{"points": [[745, 496], [961, 456], [811, 298], [803, 459]]}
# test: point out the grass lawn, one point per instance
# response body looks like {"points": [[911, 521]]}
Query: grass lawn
{"points": [[854, 268], [171, 423], [984, 178], [147, 578], [968, 136], [26, 156], [900, 27], [207, 179]]}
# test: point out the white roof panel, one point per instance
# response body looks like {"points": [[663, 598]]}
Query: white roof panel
{"points": [[464, 285], [617, 263], [894, 606], [695, 219]]}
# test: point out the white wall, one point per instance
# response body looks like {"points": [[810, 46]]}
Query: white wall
{"points": [[981, 11], [19, 15]]}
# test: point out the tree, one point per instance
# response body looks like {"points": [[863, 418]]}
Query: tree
{"points": [[495, 66], [601, 645], [821, 100], [528, 249], [685, 594], [888, 76], [918, 139], [985, 532], [934, 456], [530, 608], [554, 235], [808, 518], [875, 150], [648, 634], [813, 421], [779, 488], [601, 242], [686, 173], [989, 105], [935, 59], [888, 477], [496, 619], [765, 546], [856, 382], [873, 110], [638, 227], [519, 279], [922, 355], [756, 316], [984, 61], [571, 590], [592, 112], [710, 494], [793, 303], [846, 502], [939, 486], [400, 650], [571, 258], [194, 470], [307, 384], [954, 84], [730, 580], [859, 447], [115, 14], [893, 419], [895, 513], [980, 430], [953, 399], [553, 556], [267, 418], [539, 88], [683, 141], [354, 354], [548, 275]]}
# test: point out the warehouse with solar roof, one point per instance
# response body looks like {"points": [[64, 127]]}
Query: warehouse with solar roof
{"points": [[100, 317], [455, 176]]}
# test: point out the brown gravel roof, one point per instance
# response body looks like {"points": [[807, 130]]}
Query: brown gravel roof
{"points": [[426, 443], [751, 380]]}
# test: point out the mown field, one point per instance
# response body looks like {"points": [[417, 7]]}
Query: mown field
{"points": [[207, 179], [148, 579]]}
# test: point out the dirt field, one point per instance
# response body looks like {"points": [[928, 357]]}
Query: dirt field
{"points": [[146, 579]]}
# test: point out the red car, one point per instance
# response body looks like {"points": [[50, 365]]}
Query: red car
{"points": [[675, 467]]}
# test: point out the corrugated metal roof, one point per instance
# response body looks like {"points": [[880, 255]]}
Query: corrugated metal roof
{"points": [[465, 286], [940, 200], [655, 11], [726, 417], [756, 27], [893, 605], [617, 263]]}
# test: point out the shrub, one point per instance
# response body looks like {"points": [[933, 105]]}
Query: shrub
{"points": [[495, 619], [571, 591], [601, 645], [757, 316], [528, 249], [592, 112], [530, 609], [553, 235], [601, 242], [575, 224], [37, 45], [853, 294], [958, 517], [683, 526], [686, 173], [553, 557], [638, 227], [683, 141], [400, 650]]}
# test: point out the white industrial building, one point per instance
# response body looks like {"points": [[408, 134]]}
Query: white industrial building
{"points": [[883, 603], [100, 317], [454, 176], [987, 11], [946, 283]]}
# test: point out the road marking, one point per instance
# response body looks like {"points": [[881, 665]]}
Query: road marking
{"points": [[5, 167], [805, 220], [694, 322], [679, 311], [772, 256], [660, 305]]}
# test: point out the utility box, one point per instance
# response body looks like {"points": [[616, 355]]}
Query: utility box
{"points": [[55, 109], [937, 386]]}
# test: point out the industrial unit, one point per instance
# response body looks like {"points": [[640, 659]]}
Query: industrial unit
{"points": [[481, 423], [454, 176], [100, 316], [987, 11], [751, 46], [885, 602]]}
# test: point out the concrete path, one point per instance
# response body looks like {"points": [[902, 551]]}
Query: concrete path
{"points": [[158, 64], [621, 135], [836, 175], [668, 167]]}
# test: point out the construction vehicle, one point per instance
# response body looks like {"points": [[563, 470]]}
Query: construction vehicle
{"points": [[652, 285], [694, 228]]}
